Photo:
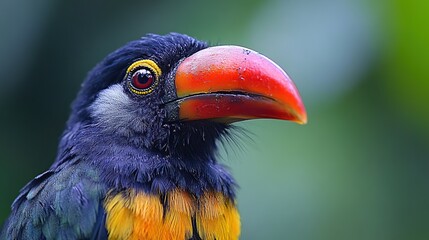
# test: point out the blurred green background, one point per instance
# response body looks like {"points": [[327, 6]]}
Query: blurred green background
{"points": [[358, 170]]}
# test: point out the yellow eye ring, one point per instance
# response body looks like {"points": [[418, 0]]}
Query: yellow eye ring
{"points": [[143, 76]]}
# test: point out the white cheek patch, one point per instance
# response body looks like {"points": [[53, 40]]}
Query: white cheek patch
{"points": [[115, 111]]}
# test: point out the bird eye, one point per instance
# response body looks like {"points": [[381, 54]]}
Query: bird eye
{"points": [[143, 76], [142, 79]]}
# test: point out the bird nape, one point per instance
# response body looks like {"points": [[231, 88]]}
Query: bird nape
{"points": [[137, 159]]}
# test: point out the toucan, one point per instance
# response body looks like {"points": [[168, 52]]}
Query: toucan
{"points": [[138, 158]]}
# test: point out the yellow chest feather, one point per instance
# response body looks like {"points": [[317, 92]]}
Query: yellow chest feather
{"points": [[136, 215]]}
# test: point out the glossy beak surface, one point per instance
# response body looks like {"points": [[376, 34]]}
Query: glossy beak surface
{"points": [[232, 83]]}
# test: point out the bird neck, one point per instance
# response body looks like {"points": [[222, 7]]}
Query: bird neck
{"points": [[124, 164]]}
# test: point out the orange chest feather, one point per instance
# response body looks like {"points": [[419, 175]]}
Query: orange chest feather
{"points": [[136, 215]]}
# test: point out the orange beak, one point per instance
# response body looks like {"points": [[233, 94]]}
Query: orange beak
{"points": [[231, 83]]}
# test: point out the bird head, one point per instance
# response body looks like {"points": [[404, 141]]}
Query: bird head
{"points": [[176, 95]]}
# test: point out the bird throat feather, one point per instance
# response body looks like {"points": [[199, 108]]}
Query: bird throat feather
{"points": [[177, 215]]}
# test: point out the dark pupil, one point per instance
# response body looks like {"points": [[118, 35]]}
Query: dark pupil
{"points": [[142, 79]]}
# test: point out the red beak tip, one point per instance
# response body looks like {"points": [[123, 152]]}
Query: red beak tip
{"points": [[302, 121]]}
